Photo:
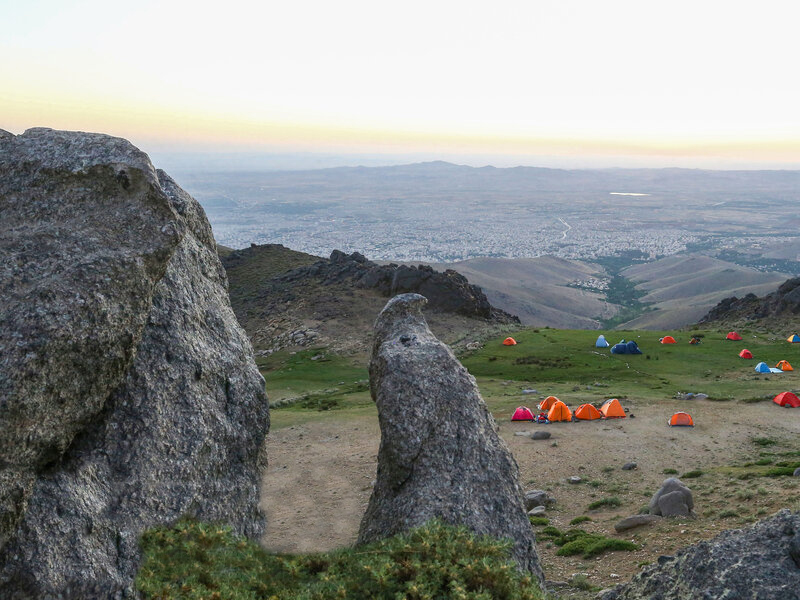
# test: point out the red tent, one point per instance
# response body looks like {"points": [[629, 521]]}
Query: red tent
{"points": [[509, 341], [746, 353], [668, 339], [523, 413], [681, 419], [733, 336], [787, 399]]}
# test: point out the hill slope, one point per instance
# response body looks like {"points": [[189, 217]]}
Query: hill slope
{"points": [[684, 288], [287, 299], [536, 289], [779, 307]]}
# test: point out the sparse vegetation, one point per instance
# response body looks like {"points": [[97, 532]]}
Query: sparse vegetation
{"points": [[692, 474], [588, 545], [581, 519], [670, 471], [197, 560], [539, 521], [609, 502]]}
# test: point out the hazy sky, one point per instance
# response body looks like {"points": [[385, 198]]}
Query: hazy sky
{"points": [[700, 80]]}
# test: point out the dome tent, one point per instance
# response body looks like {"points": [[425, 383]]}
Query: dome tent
{"points": [[745, 353], [587, 412], [523, 413], [733, 336], [601, 342], [509, 341], [787, 399], [612, 409], [681, 419]]}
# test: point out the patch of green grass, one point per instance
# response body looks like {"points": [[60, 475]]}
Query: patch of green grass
{"points": [[780, 472], [763, 461], [610, 502], [692, 474], [581, 582], [539, 521], [670, 471], [764, 442], [727, 514], [581, 519], [203, 561]]}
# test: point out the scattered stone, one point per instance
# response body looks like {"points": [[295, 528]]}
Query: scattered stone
{"points": [[629, 466], [541, 435], [536, 511], [674, 499], [554, 444], [796, 472], [632, 416], [534, 498], [430, 410], [529, 391], [523, 433], [574, 479], [129, 394], [635, 521], [761, 562]]}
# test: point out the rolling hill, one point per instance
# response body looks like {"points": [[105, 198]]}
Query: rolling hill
{"points": [[682, 289]]}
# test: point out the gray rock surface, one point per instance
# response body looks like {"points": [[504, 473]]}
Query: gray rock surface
{"points": [[673, 499], [758, 563], [635, 521], [537, 511], [440, 454], [796, 472], [540, 435], [629, 466], [130, 396]]}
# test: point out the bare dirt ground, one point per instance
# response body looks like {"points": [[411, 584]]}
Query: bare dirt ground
{"points": [[320, 476]]}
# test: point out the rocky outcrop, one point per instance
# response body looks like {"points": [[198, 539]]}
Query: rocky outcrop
{"points": [[440, 454], [783, 301], [129, 395], [761, 563], [449, 291], [673, 499]]}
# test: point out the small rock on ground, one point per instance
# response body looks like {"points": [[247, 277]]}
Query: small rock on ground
{"points": [[629, 466], [635, 521], [574, 479], [536, 511], [541, 435]]}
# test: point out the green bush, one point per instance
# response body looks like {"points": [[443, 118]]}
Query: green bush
{"points": [[692, 474], [578, 541], [610, 502], [539, 521], [196, 560], [670, 471], [581, 519]]}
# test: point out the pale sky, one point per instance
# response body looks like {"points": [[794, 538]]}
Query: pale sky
{"points": [[703, 80]]}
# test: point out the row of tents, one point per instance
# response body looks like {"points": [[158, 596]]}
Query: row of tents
{"points": [[782, 366], [602, 342], [555, 410]]}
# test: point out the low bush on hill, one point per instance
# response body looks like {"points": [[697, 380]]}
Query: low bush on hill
{"points": [[603, 502], [588, 545], [198, 560]]}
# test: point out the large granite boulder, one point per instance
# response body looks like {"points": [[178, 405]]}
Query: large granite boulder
{"points": [[673, 499], [758, 563], [129, 395], [440, 454]]}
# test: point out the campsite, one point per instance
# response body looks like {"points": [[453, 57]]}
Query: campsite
{"points": [[325, 437]]}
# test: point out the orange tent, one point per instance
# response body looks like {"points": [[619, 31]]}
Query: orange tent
{"points": [[587, 412], [559, 412], [746, 353], [681, 419], [668, 339], [509, 341], [787, 399], [612, 409], [548, 402], [784, 366], [733, 336]]}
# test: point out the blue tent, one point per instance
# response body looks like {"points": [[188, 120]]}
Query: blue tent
{"points": [[601, 342], [626, 348], [762, 367]]}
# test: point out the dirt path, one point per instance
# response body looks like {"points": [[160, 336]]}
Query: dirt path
{"points": [[320, 476]]}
